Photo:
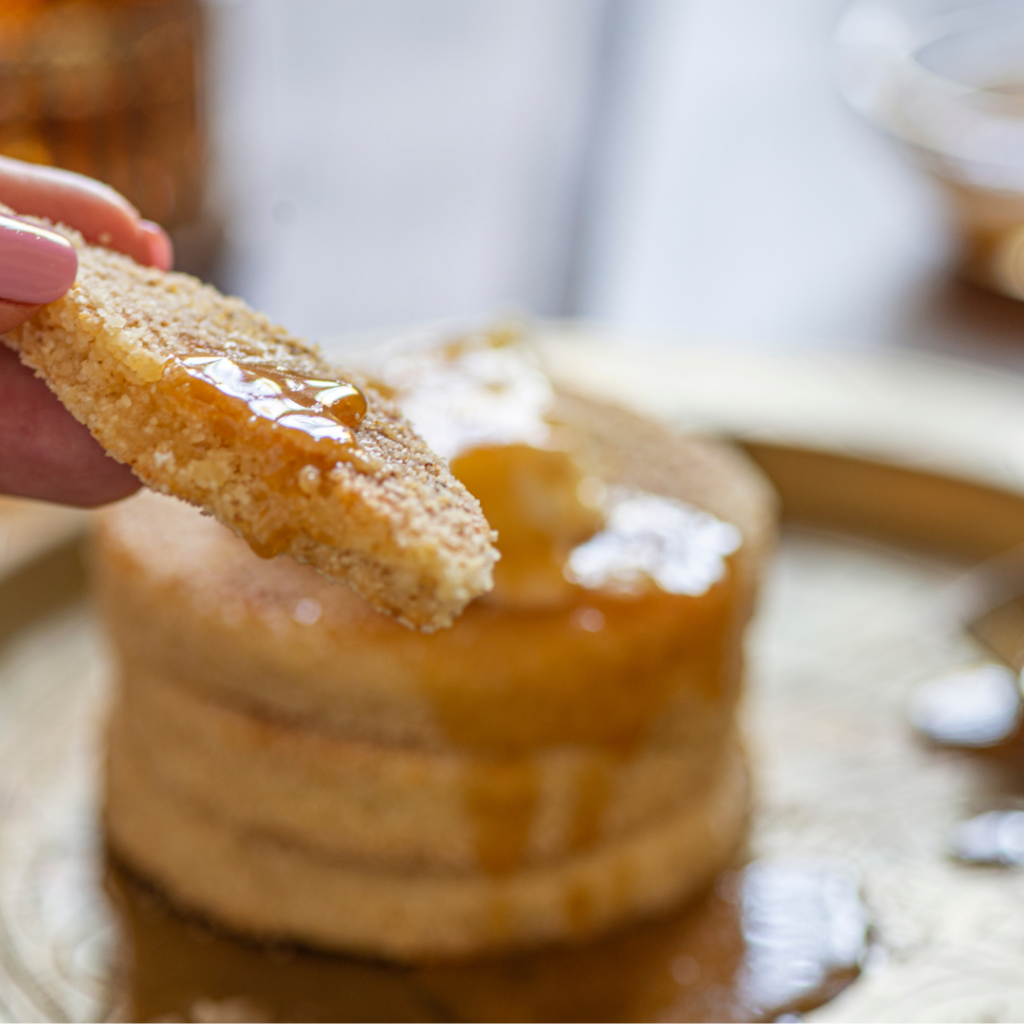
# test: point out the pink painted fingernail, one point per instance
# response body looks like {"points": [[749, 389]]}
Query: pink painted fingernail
{"points": [[36, 265], [161, 249]]}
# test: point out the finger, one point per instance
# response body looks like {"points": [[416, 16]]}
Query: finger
{"points": [[46, 453], [161, 249], [36, 265], [14, 314], [102, 215]]}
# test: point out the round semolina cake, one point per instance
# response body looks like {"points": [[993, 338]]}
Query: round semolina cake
{"points": [[289, 762]]}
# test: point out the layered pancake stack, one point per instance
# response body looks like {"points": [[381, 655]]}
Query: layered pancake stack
{"points": [[292, 764]]}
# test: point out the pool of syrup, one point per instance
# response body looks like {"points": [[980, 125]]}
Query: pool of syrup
{"points": [[979, 710], [979, 707], [772, 939]]}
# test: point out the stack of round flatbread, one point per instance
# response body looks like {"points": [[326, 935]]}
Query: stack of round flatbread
{"points": [[289, 762]]}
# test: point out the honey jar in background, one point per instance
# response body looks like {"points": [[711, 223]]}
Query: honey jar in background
{"points": [[990, 234], [113, 89], [945, 79], [980, 174]]}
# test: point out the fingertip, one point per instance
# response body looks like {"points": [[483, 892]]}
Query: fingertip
{"points": [[37, 265], [46, 453], [159, 247]]}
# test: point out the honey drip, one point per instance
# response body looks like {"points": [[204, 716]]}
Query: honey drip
{"points": [[627, 600], [593, 791], [501, 798], [530, 496], [602, 688], [322, 410], [579, 907]]}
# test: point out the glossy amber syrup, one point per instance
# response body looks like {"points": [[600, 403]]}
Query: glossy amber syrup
{"points": [[301, 426], [601, 685], [529, 495], [323, 410], [603, 688], [649, 577], [501, 797], [776, 937], [600, 690]]}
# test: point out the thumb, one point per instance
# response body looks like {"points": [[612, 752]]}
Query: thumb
{"points": [[36, 266]]}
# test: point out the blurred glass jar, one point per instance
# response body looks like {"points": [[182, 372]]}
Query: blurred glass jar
{"points": [[112, 88], [946, 79]]}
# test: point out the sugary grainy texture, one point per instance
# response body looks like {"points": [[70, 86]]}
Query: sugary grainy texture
{"points": [[391, 521]]}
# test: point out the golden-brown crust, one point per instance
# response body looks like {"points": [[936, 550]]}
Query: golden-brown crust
{"points": [[392, 521]]}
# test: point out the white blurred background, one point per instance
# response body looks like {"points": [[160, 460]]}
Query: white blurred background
{"points": [[679, 168]]}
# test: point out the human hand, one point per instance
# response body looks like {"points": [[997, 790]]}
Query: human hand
{"points": [[45, 452]]}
